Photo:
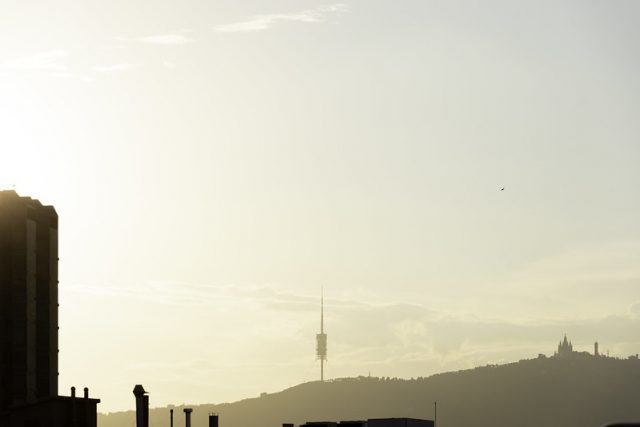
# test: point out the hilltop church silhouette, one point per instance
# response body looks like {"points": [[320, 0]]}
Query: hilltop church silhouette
{"points": [[565, 349]]}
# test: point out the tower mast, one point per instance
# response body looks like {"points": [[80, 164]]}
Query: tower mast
{"points": [[321, 339], [322, 311], [321, 331]]}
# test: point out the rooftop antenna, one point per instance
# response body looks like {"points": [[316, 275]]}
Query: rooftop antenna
{"points": [[321, 338], [435, 413]]}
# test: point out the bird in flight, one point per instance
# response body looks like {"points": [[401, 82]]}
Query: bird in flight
{"points": [[502, 189]]}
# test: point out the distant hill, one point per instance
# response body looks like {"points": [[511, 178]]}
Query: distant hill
{"points": [[575, 391]]}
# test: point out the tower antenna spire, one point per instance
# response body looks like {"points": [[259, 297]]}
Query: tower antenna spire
{"points": [[321, 338], [322, 310]]}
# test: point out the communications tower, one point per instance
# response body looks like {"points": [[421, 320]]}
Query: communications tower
{"points": [[321, 339]]}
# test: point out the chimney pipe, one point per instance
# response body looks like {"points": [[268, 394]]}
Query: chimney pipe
{"points": [[187, 416], [142, 406], [86, 392], [171, 418], [73, 408]]}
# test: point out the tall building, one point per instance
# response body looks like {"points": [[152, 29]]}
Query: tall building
{"points": [[29, 318], [28, 300]]}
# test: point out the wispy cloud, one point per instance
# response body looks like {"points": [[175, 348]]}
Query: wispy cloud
{"points": [[405, 328], [50, 60], [265, 22], [88, 79], [394, 338], [114, 68], [168, 39]]}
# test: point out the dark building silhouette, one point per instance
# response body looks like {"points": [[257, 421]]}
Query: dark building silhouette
{"points": [[29, 320], [399, 422], [374, 422], [319, 424], [28, 300]]}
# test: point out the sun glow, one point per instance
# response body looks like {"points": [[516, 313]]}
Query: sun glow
{"points": [[36, 143]]}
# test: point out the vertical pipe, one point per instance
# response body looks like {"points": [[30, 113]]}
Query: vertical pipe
{"points": [[171, 418], [142, 406], [187, 415], [435, 413], [74, 415], [85, 403]]}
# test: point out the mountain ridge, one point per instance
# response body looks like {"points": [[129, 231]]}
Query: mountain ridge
{"points": [[579, 390]]}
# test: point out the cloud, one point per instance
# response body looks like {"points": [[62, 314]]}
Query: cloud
{"points": [[375, 333], [115, 68], [167, 39], [49, 60], [401, 339], [265, 22], [62, 74]]}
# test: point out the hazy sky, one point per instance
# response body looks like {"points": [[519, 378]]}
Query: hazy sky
{"points": [[214, 163]]}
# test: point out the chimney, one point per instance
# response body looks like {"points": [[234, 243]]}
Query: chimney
{"points": [[187, 416], [142, 406], [213, 420], [73, 407]]}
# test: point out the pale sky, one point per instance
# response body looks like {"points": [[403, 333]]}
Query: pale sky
{"points": [[214, 163]]}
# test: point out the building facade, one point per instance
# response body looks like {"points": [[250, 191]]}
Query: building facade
{"points": [[29, 313], [28, 300]]}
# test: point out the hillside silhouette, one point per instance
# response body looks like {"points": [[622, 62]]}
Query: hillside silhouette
{"points": [[577, 391]]}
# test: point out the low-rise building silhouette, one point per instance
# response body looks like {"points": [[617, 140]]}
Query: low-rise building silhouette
{"points": [[373, 422]]}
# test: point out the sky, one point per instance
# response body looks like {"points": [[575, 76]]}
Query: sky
{"points": [[216, 163]]}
